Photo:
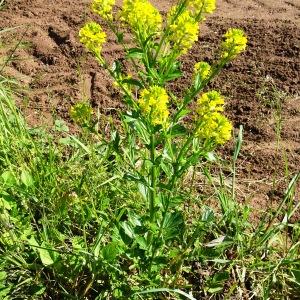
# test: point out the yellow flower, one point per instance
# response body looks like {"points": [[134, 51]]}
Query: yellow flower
{"points": [[103, 8], [235, 42], [213, 125], [216, 128], [210, 102], [184, 31], [153, 103], [199, 7], [202, 70], [81, 113], [93, 37], [142, 17]]}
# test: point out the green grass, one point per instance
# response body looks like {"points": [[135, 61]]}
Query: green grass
{"points": [[273, 98], [72, 226]]}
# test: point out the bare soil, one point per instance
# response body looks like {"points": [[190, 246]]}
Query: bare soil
{"points": [[56, 72]]}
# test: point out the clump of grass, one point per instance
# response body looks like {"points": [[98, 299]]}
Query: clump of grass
{"points": [[274, 98]]}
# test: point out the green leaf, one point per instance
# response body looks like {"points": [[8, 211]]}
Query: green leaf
{"points": [[115, 139], [173, 225], [61, 126], [38, 290], [3, 276], [176, 201], [45, 255], [238, 144], [120, 37], [220, 277], [217, 283], [133, 219], [163, 290], [142, 242], [148, 39], [9, 178], [128, 229], [168, 169], [77, 242], [296, 274], [210, 156], [215, 289], [26, 178], [33, 243], [142, 132], [4, 292], [143, 190], [42, 250], [68, 141], [220, 241], [133, 82], [208, 215], [135, 177], [178, 130], [5, 205], [197, 82], [134, 53], [172, 76], [116, 67], [183, 113], [139, 127], [110, 251]]}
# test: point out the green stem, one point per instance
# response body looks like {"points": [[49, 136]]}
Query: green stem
{"points": [[153, 179], [167, 29], [104, 64], [233, 180], [135, 66], [191, 94], [173, 181]]}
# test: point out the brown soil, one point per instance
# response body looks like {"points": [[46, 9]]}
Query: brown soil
{"points": [[57, 72]]}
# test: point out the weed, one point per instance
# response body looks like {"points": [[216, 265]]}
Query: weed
{"points": [[272, 97], [108, 215]]}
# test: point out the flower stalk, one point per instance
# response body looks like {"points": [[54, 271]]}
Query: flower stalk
{"points": [[164, 145]]}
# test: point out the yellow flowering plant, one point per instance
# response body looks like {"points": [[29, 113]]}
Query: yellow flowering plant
{"points": [[159, 145], [81, 113]]}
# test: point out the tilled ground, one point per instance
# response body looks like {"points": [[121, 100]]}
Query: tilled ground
{"points": [[56, 72]]}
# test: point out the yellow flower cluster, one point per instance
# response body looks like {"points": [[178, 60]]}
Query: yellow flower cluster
{"points": [[153, 103], [235, 42], [199, 7], [213, 125], [184, 31], [202, 70], [93, 37], [210, 102], [142, 17], [103, 8], [81, 113]]}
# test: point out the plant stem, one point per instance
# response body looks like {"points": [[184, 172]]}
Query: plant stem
{"points": [[135, 66], [191, 94], [172, 184], [153, 178], [233, 179], [181, 6]]}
